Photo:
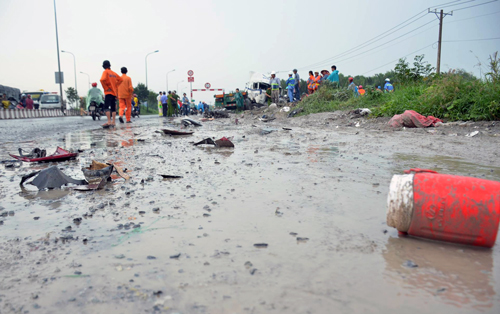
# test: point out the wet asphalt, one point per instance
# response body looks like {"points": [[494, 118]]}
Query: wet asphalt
{"points": [[288, 221]]}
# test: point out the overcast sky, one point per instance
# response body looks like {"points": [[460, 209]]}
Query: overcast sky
{"points": [[223, 40]]}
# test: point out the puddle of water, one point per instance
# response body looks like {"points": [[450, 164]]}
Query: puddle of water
{"points": [[446, 164]]}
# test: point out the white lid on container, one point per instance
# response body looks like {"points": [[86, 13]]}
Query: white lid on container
{"points": [[400, 202]]}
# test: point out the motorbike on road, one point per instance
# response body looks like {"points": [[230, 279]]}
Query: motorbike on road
{"points": [[95, 110], [135, 112]]}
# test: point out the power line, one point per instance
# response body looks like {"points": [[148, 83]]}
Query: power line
{"points": [[374, 39], [396, 43], [367, 43], [472, 6], [400, 58], [473, 17], [451, 5], [387, 42], [459, 40]]}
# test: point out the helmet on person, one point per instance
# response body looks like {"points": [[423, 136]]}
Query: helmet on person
{"points": [[387, 80], [94, 84], [351, 79], [23, 95], [290, 73], [273, 72], [360, 86], [135, 95]]}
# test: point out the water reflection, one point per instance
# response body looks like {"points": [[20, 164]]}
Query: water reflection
{"points": [[445, 164], [460, 275], [316, 153]]}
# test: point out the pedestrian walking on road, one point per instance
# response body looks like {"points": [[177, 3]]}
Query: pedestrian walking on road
{"points": [[238, 97], [110, 81], [310, 83], [297, 85], [290, 86], [125, 94], [275, 88], [185, 105]]}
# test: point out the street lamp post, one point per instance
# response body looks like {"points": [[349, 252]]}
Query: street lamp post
{"points": [[179, 83], [88, 77], [147, 66], [167, 78], [74, 64], [58, 60]]}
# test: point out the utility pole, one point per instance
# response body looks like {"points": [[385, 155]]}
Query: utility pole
{"points": [[440, 18]]}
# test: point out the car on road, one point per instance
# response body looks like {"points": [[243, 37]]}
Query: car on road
{"points": [[50, 101]]}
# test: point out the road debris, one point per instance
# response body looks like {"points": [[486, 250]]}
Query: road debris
{"points": [[414, 197], [50, 178], [472, 134], [175, 132], [38, 155], [412, 119]]}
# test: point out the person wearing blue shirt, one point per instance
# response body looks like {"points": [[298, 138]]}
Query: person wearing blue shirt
{"points": [[290, 86], [334, 76], [388, 88], [163, 100], [297, 85], [200, 107]]}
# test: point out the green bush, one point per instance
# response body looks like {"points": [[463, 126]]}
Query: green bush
{"points": [[456, 95]]}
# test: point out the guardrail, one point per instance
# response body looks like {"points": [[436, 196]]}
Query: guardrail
{"points": [[36, 113]]}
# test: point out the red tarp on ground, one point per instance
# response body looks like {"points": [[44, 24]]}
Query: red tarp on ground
{"points": [[412, 119]]}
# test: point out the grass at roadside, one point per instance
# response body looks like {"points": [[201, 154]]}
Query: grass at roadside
{"points": [[451, 96]]}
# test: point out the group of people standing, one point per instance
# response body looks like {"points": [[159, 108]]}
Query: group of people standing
{"points": [[168, 104], [360, 91], [293, 83], [316, 79], [292, 86], [120, 87]]}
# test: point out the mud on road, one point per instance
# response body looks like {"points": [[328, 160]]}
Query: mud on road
{"points": [[315, 194]]}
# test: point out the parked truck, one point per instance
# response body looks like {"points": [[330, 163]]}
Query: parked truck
{"points": [[228, 101]]}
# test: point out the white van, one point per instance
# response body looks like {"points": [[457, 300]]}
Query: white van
{"points": [[50, 101]]}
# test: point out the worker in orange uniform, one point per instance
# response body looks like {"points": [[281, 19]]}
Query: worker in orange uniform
{"points": [[361, 91], [310, 83], [317, 80], [110, 81], [125, 94]]}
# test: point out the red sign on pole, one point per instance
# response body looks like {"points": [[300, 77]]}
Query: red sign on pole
{"points": [[207, 85], [191, 79], [190, 73]]}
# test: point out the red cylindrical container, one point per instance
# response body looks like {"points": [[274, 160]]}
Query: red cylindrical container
{"points": [[445, 207]]}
